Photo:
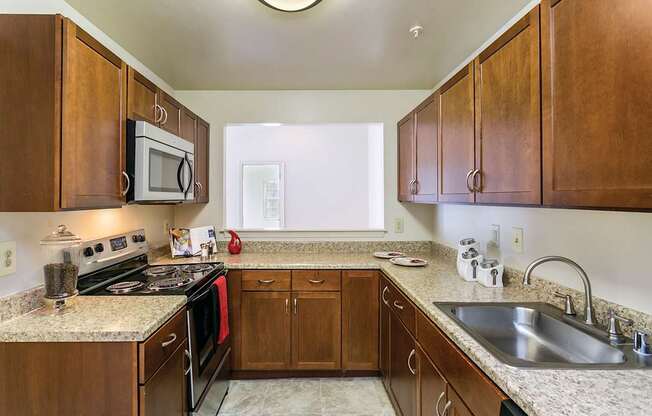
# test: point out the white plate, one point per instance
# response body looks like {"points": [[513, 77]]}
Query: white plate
{"points": [[388, 254], [409, 262]]}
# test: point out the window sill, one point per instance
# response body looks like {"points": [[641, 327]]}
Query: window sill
{"points": [[316, 234]]}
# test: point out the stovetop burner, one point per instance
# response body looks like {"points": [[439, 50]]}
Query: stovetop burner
{"points": [[125, 287], [171, 283], [197, 268], [160, 270]]}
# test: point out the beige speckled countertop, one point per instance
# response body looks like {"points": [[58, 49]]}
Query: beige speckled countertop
{"points": [[94, 319], [538, 392]]}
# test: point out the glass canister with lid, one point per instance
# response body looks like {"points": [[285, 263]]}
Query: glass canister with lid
{"points": [[61, 250]]}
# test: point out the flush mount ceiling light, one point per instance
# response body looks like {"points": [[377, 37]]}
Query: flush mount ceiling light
{"points": [[290, 5]]}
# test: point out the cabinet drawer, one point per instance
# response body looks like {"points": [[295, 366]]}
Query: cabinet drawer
{"points": [[316, 280], [266, 280], [480, 394], [161, 345], [402, 307]]}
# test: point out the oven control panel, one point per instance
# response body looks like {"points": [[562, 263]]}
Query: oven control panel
{"points": [[107, 251]]}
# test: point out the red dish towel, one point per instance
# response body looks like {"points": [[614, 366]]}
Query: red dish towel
{"points": [[223, 332]]}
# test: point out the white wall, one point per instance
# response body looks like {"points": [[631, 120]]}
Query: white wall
{"points": [[27, 229], [220, 108], [613, 247], [327, 172]]}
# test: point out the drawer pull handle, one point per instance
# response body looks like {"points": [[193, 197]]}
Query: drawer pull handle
{"points": [[409, 362], [446, 408], [296, 307], [170, 341], [317, 282], [441, 396], [266, 282], [382, 295], [398, 305], [187, 370], [287, 305]]}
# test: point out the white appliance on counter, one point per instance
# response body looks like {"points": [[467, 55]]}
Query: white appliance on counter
{"points": [[465, 245], [160, 165]]}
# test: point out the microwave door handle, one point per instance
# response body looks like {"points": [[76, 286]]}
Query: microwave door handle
{"points": [[179, 173], [191, 178]]}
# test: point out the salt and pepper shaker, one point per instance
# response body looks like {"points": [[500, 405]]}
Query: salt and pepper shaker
{"points": [[204, 250]]}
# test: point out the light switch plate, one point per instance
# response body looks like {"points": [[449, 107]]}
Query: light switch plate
{"points": [[7, 258], [399, 225], [494, 236], [517, 240]]}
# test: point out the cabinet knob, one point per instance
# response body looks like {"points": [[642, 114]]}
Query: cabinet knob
{"points": [[170, 340]]}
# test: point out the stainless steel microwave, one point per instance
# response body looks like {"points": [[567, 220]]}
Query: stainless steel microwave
{"points": [[160, 165]]}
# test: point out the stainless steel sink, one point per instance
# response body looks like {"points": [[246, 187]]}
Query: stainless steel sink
{"points": [[539, 335]]}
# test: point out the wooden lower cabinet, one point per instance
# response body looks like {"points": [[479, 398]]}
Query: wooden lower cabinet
{"points": [[316, 330], [165, 393], [402, 367], [432, 386], [265, 330], [456, 406], [385, 314], [360, 320]]}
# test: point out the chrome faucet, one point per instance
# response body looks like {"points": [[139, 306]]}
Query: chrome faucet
{"points": [[588, 302]]}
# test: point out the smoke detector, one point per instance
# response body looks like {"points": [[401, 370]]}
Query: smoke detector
{"points": [[416, 31]]}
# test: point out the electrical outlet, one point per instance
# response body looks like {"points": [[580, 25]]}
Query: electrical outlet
{"points": [[517, 240], [7, 258], [494, 236], [399, 225]]}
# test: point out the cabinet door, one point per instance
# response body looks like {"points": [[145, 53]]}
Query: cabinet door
{"points": [[597, 107], [202, 162], [360, 320], [142, 98], [93, 123], [384, 331], [508, 126], [165, 393], [427, 118], [432, 386], [188, 129], [403, 380], [406, 165], [456, 406], [316, 330], [456, 137], [265, 330], [171, 120]]}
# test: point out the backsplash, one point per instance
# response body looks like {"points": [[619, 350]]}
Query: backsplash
{"points": [[330, 246]]}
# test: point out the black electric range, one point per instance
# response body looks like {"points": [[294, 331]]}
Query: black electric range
{"points": [[136, 277]]}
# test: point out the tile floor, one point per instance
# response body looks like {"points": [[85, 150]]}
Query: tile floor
{"points": [[307, 397]]}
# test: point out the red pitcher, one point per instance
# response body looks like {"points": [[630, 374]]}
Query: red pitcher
{"points": [[235, 245]]}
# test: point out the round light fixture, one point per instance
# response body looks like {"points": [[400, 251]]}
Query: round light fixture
{"points": [[290, 5]]}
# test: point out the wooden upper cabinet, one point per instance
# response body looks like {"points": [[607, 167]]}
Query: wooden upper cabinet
{"points": [[427, 120], [188, 129], [406, 165], [93, 122], [172, 109], [360, 320], [316, 330], [265, 330], [597, 106], [202, 162], [508, 126], [142, 98], [456, 138]]}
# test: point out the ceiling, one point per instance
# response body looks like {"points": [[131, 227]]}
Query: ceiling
{"points": [[338, 44]]}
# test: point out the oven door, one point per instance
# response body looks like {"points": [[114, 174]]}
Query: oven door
{"points": [[205, 353], [162, 172]]}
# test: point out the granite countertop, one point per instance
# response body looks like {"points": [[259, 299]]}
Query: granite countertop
{"points": [[94, 319], [538, 392]]}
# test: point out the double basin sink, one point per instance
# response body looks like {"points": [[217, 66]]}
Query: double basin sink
{"points": [[538, 335]]}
